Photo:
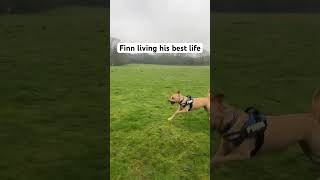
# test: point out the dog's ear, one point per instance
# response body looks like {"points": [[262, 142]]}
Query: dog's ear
{"points": [[178, 92]]}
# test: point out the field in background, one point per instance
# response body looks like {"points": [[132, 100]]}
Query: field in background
{"points": [[144, 144], [53, 92], [270, 61]]}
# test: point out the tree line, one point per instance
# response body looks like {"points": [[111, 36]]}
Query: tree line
{"points": [[265, 5], [164, 59], [21, 6]]}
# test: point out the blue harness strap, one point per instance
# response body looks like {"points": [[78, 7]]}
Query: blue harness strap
{"points": [[254, 127], [257, 125], [189, 102]]}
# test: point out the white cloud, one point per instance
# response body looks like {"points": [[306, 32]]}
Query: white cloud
{"points": [[161, 21]]}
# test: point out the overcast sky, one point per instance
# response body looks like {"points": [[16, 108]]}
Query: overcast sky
{"points": [[161, 21]]}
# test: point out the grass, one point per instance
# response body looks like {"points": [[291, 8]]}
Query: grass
{"points": [[53, 91], [144, 144], [53, 79], [270, 61]]}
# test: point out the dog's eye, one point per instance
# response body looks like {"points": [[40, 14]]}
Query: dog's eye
{"points": [[171, 97]]}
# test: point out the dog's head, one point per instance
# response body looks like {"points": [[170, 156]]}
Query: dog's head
{"points": [[175, 98], [222, 113], [218, 111]]}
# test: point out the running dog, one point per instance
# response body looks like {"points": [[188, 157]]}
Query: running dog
{"points": [[279, 132], [186, 103]]}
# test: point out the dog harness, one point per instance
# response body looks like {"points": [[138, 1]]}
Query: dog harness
{"points": [[254, 127], [187, 102]]}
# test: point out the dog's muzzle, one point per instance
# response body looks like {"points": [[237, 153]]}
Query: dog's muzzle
{"points": [[172, 102]]}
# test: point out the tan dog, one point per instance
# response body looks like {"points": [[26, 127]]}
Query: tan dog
{"points": [[184, 105], [281, 131]]}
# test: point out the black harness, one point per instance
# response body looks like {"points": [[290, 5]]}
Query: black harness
{"points": [[187, 102], [253, 128]]}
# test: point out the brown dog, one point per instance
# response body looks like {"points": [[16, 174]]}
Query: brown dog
{"points": [[187, 104], [281, 131]]}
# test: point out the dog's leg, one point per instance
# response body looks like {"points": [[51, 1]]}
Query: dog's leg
{"points": [[235, 156], [177, 112], [316, 161], [240, 153], [315, 149], [206, 109], [173, 115], [223, 149], [220, 152], [306, 149], [311, 147]]}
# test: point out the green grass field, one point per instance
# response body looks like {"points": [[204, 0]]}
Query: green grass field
{"points": [[144, 144], [271, 61], [53, 92]]}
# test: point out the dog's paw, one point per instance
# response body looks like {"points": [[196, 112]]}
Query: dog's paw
{"points": [[169, 119]]}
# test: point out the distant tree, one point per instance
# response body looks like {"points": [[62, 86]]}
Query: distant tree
{"points": [[113, 45]]}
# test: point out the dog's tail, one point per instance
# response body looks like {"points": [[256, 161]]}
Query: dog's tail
{"points": [[316, 104]]}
